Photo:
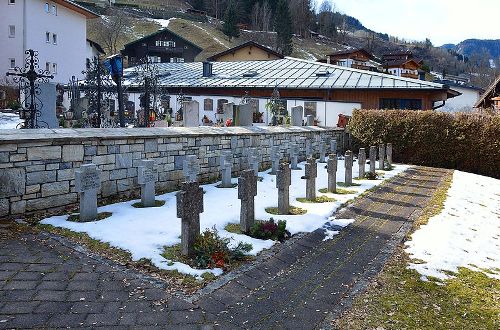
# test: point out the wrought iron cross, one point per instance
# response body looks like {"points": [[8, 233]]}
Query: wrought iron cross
{"points": [[30, 76]]}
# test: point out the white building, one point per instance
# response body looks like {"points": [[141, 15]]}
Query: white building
{"points": [[94, 51], [465, 102], [56, 29]]}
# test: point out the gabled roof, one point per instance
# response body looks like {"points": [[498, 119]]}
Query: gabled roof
{"points": [[399, 63], [243, 45], [160, 32], [490, 92], [287, 73], [352, 51], [75, 7]]}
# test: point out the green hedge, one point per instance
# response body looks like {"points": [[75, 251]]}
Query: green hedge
{"points": [[467, 142]]}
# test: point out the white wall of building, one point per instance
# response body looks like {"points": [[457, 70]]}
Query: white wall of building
{"points": [[32, 24], [462, 103]]}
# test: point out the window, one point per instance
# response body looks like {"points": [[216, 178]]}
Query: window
{"points": [[54, 39], [47, 7], [54, 10], [408, 104], [162, 43], [47, 37], [54, 68], [47, 66], [176, 60], [12, 63], [12, 2], [310, 108], [170, 43], [12, 31], [209, 105]]}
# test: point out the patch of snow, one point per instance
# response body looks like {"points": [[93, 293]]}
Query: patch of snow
{"points": [[144, 232], [465, 234], [9, 120], [163, 22], [310, 56], [212, 36]]}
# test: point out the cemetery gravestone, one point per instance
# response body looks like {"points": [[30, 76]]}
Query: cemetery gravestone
{"points": [[373, 159], [361, 162], [389, 153], [247, 190], [46, 104], [189, 207], [253, 160], [243, 115], [191, 168], [381, 156], [147, 175], [88, 183], [322, 152], [226, 163], [283, 182], [297, 116], [331, 168], [348, 168], [310, 120], [309, 149], [333, 146], [294, 155], [311, 172], [275, 159], [191, 115], [228, 111]]}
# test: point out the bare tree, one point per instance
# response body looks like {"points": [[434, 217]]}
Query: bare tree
{"points": [[261, 17], [110, 29]]}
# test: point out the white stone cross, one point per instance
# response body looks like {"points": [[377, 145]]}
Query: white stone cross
{"points": [[88, 184]]}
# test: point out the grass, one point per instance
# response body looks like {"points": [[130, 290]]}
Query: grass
{"points": [[233, 185], [100, 216], [158, 203], [293, 211], [343, 184], [318, 199], [339, 191], [233, 228], [399, 299]]}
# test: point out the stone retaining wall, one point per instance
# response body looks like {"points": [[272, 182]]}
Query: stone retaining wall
{"points": [[37, 166]]}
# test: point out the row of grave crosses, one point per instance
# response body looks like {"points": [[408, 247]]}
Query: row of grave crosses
{"points": [[190, 197]]}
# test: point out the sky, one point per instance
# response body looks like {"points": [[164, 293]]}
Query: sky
{"points": [[442, 21]]}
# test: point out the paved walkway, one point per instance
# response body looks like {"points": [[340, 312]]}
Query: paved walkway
{"points": [[306, 283]]}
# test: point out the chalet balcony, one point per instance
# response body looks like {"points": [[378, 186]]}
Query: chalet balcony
{"points": [[361, 67], [410, 75], [165, 50]]}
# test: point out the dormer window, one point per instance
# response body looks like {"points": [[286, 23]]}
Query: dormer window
{"points": [[47, 7]]}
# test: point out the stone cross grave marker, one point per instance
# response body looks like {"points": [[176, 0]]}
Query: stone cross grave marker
{"points": [[247, 190], [88, 183], [348, 168], [297, 116], [331, 168], [275, 159], [191, 168], [311, 172], [381, 156], [322, 152], [373, 159], [389, 153], [361, 162], [253, 160], [294, 155], [226, 164], [147, 175], [283, 182], [309, 149], [189, 207], [333, 146]]}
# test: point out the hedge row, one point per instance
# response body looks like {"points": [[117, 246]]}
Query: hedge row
{"points": [[467, 142]]}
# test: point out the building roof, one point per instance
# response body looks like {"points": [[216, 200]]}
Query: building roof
{"points": [[452, 83], [243, 45], [96, 46], [287, 73], [352, 51], [399, 63], [76, 7], [160, 32], [490, 92]]}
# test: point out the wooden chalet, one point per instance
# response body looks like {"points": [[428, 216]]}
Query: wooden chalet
{"points": [[491, 98], [402, 64], [163, 46], [248, 51], [355, 58]]}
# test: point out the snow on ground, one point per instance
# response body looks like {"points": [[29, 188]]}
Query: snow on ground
{"points": [[163, 22], [9, 120], [212, 36], [465, 234], [144, 232]]}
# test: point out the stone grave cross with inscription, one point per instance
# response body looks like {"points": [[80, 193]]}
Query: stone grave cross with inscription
{"points": [[361, 162], [294, 155], [283, 182], [389, 153], [147, 175], [191, 168], [253, 160], [189, 207], [322, 151], [331, 168], [247, 190], [348, 168], [381, 156], [275, 159], [88, 184], [226, 163], [311, 172], [373, 159]]}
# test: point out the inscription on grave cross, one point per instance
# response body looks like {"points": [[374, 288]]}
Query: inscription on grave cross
{"points": [[348, 168], [147, 175], [191, 168], [189, 207], [381, 156], [331, 168], [247, 190], [373, 159], [361, 162], [283, 182], [311, 172], [88, 183], [275, 159]]}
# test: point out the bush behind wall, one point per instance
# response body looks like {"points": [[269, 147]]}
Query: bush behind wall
{"points": [[467, 142]]}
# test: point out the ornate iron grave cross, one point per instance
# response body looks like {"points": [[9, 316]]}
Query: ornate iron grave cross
{"points": [[29, 77]]}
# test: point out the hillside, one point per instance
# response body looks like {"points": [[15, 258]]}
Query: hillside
{"points": [[471, 46]]}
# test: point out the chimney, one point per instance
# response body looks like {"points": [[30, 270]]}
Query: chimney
{"points": [[207, 69]]}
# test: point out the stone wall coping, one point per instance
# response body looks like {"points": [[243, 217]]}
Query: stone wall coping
{"points": [[15, 135]]}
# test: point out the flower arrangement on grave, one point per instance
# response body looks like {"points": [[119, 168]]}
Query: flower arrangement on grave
{"points": [[258, 117], [270, 230]]}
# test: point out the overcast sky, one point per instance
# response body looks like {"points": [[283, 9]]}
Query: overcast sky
{"points": [[442, 21]]}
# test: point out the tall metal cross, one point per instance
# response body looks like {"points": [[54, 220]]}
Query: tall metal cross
{"points": [[30, 75]]}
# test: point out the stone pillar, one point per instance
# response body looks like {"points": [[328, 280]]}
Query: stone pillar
{"points": [[331, 168], [275, 159], [373, 159], [348, 168], [381, 156], [389, 153], [361, 162], [247, 190], [191, 168], [322, 152], [147, 175], [283, 182], [311, 172], [294, 155], [189, 207], [226, 163], [88, 183]]}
